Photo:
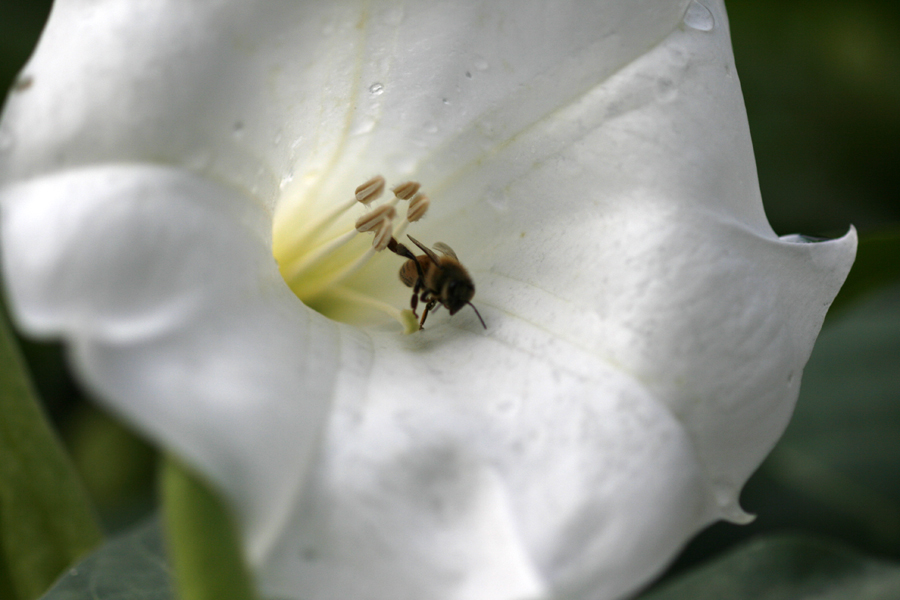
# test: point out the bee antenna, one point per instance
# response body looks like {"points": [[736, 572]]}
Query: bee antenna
{"points": [[477, 313]]}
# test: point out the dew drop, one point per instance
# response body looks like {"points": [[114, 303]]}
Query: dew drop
{"points": [[23, 83], [469, 74], [445, 100], [365, 125], [481, 64], [376, 89], [238, 129], [431, 127], [698, 17]]}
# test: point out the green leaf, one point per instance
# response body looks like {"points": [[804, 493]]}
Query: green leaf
{"points": [[841, 451], [46, 522], [129, 567], [787, 567], [202, 538], [202, 542]]}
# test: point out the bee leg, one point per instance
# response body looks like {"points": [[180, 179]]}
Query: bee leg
{"points": [[413, 303], [431, 304], [424, 316]]}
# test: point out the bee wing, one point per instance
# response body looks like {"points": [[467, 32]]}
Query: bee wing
{"points": [[445, 249], [428, 251]]}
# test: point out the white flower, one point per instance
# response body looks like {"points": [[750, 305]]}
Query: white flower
{"points": [[591, 165]]}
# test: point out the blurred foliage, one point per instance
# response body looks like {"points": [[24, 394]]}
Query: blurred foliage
{"points": [[132, 565], [21, 22], [877, 266], [821, 80], [785, 567], [46, 520], [202, 538], [117, 467]]}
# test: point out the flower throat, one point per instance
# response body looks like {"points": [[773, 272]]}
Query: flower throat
{"points": [[323, 260]]}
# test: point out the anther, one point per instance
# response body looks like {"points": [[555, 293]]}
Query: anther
{"points": [[370, 190], [406, 190], [373, 219], [384, 236], [418, 206]]}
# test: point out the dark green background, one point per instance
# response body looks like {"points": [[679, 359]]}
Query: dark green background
{"points": [[821, 80]]}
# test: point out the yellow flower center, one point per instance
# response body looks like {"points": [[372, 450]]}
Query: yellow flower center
{"points": [[322, 251]]}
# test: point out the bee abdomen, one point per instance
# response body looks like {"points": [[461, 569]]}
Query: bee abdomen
{"points": [[409, 274]]}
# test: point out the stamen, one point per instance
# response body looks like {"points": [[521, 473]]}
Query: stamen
{"points": [[316, 256], [418, 206], [383, 236], [405, 317], [354, 296], [319, 272], [417, 209], [406, 190], [364, 194], [370, 190], [374, 219]]}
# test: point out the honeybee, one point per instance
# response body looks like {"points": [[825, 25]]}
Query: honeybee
{"points": [[435, 278]]}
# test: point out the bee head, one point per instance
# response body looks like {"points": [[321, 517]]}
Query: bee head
{"points": [[456, 294]]}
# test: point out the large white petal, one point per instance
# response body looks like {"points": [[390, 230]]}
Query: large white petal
{"points": [[469, 469], [592, 167], [165, 288], [250, 91], [625, 235], [630, 224]]}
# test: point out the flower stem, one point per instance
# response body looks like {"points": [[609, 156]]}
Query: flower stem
{"points": [[204, 545]]}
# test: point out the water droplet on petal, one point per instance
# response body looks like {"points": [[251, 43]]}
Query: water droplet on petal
{"points": [[445, 100], [481, 64], [699, 17], [24, 82], [376, 89], [365, 125], [431, 127], [469, 74]]}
